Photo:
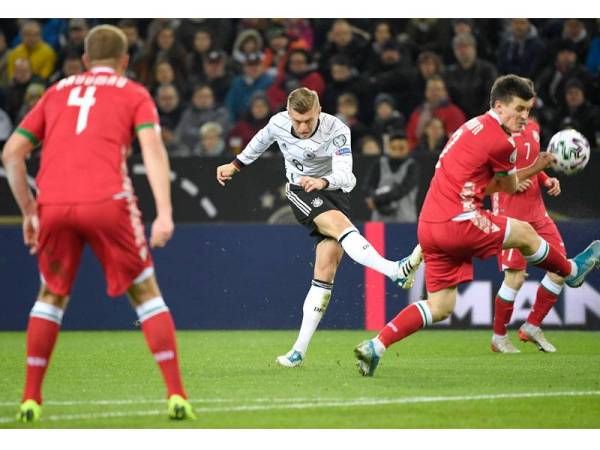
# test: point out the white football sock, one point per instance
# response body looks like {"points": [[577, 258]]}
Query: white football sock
{"points": [[359, 249], [314, 307]]}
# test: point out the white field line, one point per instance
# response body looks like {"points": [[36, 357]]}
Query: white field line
{"points": [[319, 404]]}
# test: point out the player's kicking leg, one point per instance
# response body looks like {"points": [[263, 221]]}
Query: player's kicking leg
{"points": [[504, 306], [42, 331], [159, 331], [328, 256], [336, 225]]}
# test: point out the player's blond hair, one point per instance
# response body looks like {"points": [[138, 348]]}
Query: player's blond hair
{"points": [[303, 100], [105, 42]]}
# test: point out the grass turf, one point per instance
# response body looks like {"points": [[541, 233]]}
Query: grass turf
{"points": [[109, 380]]}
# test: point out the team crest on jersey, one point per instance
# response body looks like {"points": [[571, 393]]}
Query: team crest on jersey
{"points": [[283, 145], [316, 202], [339, 140], [536, 135], [308, 155]]}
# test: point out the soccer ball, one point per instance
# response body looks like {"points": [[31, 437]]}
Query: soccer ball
{"points": [[571, 150]]}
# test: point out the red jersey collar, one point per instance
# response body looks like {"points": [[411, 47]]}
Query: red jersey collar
{"points": [[98, 69]]}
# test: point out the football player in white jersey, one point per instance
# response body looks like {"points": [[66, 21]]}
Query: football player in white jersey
{"points": [[318, 163]]}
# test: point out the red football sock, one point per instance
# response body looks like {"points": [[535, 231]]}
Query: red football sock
{"points": [[41, 337], [409, 320], [553, 261], [159, 331], [544, 301], [502, 315]]}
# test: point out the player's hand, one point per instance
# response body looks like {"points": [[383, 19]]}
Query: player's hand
{"points": [[312, 184], [544, 160], [553, 186], [225, 173], [31, 229], [370, 203], [162, 231], [524, 185]]}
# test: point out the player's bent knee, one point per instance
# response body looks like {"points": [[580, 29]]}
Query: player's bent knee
{"points": [[144, 290], [514, 278], [47, 296]]}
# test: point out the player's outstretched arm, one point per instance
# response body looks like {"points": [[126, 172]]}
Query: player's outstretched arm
{"points": [[15, 152], [158, 172]]}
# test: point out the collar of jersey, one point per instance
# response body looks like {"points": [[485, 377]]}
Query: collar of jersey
{"points": [[314, 132], [495, 115], [102, 69]]}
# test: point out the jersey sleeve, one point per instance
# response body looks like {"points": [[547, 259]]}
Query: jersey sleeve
{"points": [[503, 158], [341, 162], [33, 125], [257, 145], [145, 114]]}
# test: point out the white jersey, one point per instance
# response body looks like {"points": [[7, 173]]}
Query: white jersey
{"points": [[326, 154]]}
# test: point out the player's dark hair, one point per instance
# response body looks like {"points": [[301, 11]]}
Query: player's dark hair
{"points": [[105, 42], [508, 86], [303, 100]]}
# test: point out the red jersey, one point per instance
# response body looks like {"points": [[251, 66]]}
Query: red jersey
{"points": [[477, 151], [86, 124], [529, 204]]}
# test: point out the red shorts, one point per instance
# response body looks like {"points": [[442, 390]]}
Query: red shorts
{"points": [[448, 247], [512, 259], [112, 228]]}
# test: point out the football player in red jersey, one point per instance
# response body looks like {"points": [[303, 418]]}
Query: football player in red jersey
{"points": [[453, 227], [526, 204], [86, 124]]}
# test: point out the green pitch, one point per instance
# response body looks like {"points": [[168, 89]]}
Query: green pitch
{"points": [[434, 379]]}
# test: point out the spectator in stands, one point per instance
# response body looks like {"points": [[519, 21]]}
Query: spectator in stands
{"points": [[253, 79], [470, 80], [40, 55], [203, 109], [396, 76], [135, 47], [347, 111], [211, 140], [461, 26], [387, 119], [427, 34], [164, 47], [429, 64], [299, 30], [573, 31], [436, 104], [251, 123], [217, 74], [592, 61], [276, 50], [33, 93], [579, 113], [220, 30], [248, 42], [434, 137], [344, 79], [195, 59], [71, 65], [4, 79], [169, 106], [341, 40], [15, 92], [164, 73], [391, 184], [76, 32], [550, 85], [520, 52], [300, 71], [369, 146], [382, 33]]}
